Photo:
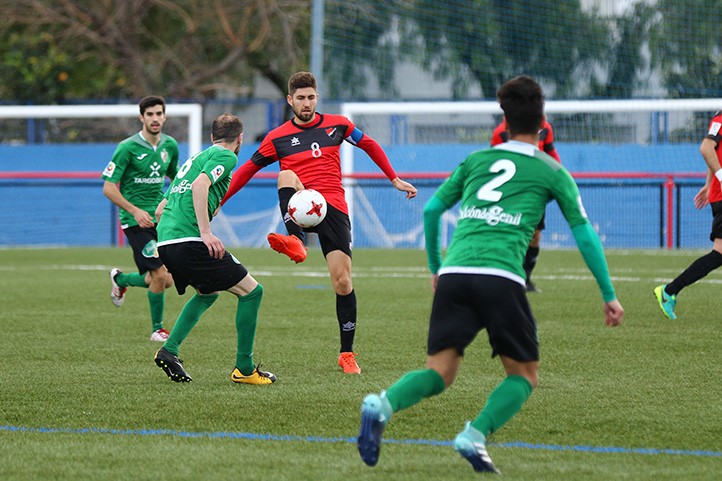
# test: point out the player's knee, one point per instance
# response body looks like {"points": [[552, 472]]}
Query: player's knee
{"points": [[343, 285], [288, 178]]}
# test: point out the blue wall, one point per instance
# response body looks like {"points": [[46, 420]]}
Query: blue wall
{"points": [[626, 214]]}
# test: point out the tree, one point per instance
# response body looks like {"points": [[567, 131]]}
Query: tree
{"points": [[180, 48], [686, 45], [490, 41]]}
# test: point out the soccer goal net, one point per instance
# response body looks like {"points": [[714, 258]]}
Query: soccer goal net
{"points": [[637, 164], [51, 158], [636, 161]]}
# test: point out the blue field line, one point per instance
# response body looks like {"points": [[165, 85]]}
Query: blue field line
{"points": [[322, 439]]}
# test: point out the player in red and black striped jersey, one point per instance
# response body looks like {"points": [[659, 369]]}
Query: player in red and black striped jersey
{"points": [[308, 149], [546, 144], [710, 193], [546, 138]]}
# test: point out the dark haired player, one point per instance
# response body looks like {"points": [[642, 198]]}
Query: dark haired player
{"points": [[134, 181], [503, 192], [307, 147], [710, 193], [546, 144], [197, 258]]}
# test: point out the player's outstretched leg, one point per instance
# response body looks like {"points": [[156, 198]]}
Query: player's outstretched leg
{"points": [[375, 414], [117, 293], [665, 301], [471, 444], [289, 245], [171, 365]]}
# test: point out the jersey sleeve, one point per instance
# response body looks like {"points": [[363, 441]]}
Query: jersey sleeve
{"points": [[566, 193], [714, 132], [116, 167], [173, 166], [500, 135], [220, 166], [266, 153], [451, 191], [549, 147], [240, 178]]}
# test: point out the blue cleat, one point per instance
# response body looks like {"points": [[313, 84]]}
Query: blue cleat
{"points": [[665, 301], [375, 414], [471, 444]]}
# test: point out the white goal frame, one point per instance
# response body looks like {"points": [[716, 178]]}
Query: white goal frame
{"points": [[194, 112], [353, 110]]}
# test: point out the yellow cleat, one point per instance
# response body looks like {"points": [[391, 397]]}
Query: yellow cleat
{"points": [[256, 377]]}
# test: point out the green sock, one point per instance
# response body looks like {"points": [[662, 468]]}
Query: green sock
{"points": [[504, 402], [413, 387], [157, 304], [246, 320], [133, 279], [192, 311]]}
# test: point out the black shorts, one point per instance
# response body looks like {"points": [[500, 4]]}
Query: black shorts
{"points": [[464, 304], [542, 224], [334, 232], [716, 221], [192, 265], [145, 249]]}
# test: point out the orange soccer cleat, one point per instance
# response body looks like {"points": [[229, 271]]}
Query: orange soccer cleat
{"points": [[289, 245], [347, 361]]}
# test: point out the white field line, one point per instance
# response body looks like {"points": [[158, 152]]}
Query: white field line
{"points": [[561, 274]]}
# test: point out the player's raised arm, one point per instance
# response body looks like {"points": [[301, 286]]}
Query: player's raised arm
{"points": [[240, 178], [377, 154]]}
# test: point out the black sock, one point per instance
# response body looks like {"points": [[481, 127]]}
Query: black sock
{"points": [[532, 254], [284, 195], [696, 271], [346, 313]]}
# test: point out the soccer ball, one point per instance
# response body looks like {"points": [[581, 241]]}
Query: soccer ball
{"points": [[307, 208]]}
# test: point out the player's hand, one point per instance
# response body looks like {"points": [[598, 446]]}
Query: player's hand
{"points": [[434, 282], [613, 313], [702, 198], [405, 187], [216, 249], [143, 219]]}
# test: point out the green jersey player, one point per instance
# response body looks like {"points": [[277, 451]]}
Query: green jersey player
{"points": [[480, 284], [196, 257], [134, 181]]}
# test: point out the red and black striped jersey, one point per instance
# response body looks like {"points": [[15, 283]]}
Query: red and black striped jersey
{"points": [[312, 152], [546, 138], [714, 132]]}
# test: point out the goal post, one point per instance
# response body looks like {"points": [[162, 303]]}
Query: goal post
{"points": [[619, 141], [193, 112], [51, 158]]}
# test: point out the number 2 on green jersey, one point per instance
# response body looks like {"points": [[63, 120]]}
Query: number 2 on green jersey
{"points": [[487, 191]]}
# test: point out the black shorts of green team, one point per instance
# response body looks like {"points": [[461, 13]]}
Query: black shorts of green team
{"points": [[464, 304], [716, 221], [334, 232], [192, 265], [143, 242]]}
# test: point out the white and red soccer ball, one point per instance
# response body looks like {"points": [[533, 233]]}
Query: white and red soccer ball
{"points": [[307, 208]]}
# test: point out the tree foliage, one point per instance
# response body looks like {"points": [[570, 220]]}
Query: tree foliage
{"points": [[178, 48], [686, 45]]}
